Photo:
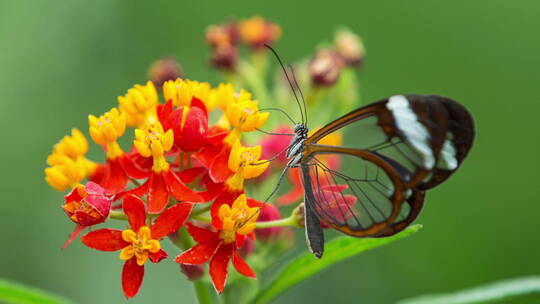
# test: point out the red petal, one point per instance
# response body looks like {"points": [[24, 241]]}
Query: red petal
{"points": [[115, 179], [212, 189], [132, 169], [170, 220], [158, 196], [241, 265], [178, 190], [132, 277], [135, 212], [73, 196], [251, 202], [138, 191], [99, 174], [219, 265], [84, 219], [189, 175], [201, 235], [216, 135], [164, 111], [73, 235], [104, 240], [219, 168], [158, 256], [334, 188], [199, 253], [194, 131], [197, 103]]}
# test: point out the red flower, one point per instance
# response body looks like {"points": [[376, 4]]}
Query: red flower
{"points": [[220, 247], [86, 206], [140, 242], [336, 202], [273, 145]]}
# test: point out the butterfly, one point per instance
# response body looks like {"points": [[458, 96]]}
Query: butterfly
{"points": [[405, 146]]}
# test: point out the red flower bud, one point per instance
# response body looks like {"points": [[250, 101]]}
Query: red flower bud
{"points": [[190, 127], [273, 145], [224, 57], [87, 205], [269, 212], [192, 272]]}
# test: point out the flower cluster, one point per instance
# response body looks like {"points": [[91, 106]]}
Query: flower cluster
{"points": [[224, 39], [195, 169]]}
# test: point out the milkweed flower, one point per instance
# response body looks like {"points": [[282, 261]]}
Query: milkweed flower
{"points": [[140, 242], [221, 246], [154, 142], [139, 105]]}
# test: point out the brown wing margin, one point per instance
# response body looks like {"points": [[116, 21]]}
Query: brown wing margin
{"points": [[386, 223]]}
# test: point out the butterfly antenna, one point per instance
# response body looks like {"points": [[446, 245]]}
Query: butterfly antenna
{"points": [[288, 79], [279, 110], [299, 91]]}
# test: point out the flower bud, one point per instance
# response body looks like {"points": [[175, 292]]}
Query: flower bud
{"points": [[163, 70], [257, 31], [190, 128], [273, 145], [269, 212], [222, 34], [350, 47], [224, 57], [325, 67], [192, 272], [87, 205]]}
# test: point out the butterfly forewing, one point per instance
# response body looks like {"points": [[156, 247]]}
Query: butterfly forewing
{"points": [[425, 137]]}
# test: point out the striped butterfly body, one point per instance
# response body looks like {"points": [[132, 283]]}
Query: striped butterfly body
{"points": [[406, 145]]}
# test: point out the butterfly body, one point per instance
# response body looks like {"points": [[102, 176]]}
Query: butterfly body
{"points": [[406, 145]]}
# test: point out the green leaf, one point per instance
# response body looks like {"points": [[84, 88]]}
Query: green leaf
{"points": [[486, 293], [16, 293], [306, 265]]}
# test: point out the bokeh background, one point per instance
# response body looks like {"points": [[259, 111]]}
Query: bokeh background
{"points": [[60, 60]]}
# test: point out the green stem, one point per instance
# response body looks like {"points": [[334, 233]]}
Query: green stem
{"points": [[250, 75], [289, 221], [200, 211], [117, 215], [202, 218]]}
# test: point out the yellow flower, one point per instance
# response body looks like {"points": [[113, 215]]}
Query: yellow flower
{"points": [[238, 218], [106, 129], [221, 96], [67, 161], [141, 244], [139, 105], [244, 116], [245, 163], [153, 141], [182, 91], [66, 173]]}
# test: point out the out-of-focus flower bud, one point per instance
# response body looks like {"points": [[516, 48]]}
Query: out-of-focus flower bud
{"points": [[247, 248], [257, 31], [224, 57], [299, 214], [192, 272], [87, 205], [350, 47], [269, 212], [325, 67], [222, 34], [163, 70], [274, 144]]}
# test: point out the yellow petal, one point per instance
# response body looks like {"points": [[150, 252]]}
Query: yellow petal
{"points": [[129, 236], [127, 253]]}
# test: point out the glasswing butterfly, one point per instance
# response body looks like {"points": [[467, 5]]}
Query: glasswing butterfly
{"points": [[406, 145]]}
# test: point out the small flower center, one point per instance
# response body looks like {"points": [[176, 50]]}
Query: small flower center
{"points": [[141, 246], [237, 219]]}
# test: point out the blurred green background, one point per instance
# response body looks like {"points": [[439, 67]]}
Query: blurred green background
{"points": [[61, 60]]}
